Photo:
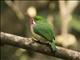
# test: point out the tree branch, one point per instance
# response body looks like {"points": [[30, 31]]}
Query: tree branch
{"points": [[28, 43]]}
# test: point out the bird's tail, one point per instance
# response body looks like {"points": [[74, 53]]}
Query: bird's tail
{"points": [[53, 46]]}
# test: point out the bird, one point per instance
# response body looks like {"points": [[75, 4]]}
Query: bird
{"points": [[42, 30]]}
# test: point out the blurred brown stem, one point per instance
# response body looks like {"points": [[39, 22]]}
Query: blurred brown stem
{"points": [[64, 17], [28, 43], [65, 12], [24, 18], [19, 14]]}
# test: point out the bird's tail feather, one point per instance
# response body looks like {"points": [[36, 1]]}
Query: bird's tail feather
{"points": [[53, 46]]}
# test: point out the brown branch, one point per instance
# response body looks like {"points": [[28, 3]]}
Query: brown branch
{"points": [[16, 9], [44, 49]]}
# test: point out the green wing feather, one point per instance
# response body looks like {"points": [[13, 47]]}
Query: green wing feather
{"points": [[44, 30]]}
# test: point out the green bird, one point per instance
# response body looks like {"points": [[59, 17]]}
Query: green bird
{"points": [[42, 30]]}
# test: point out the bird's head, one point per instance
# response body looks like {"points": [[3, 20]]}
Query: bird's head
{"points": [[38, 18]]}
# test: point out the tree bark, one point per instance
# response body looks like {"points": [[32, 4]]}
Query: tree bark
{"points": [[28, 43]]}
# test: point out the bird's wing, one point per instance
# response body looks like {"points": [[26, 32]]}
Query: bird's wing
{"points": [[45, 31]]}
